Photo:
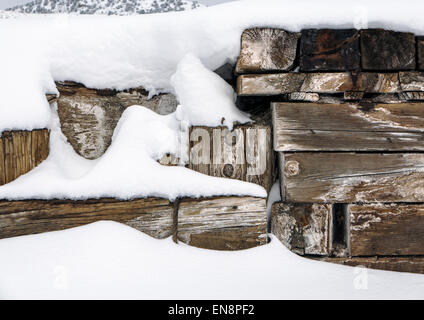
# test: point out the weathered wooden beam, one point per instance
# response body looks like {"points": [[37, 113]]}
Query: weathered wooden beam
{"points": [[333, 82], [151, 215], [329, 50], [399, 264], [348, 127], [21, 151], [302, 228], [352, 177], [266, 49], [244, 153], [386, 229], [387, 50], [88, 117], [223, 223]]}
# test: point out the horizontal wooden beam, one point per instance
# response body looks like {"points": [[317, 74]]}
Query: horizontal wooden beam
{"points": [[348, 127], [352, 177], [399, 264], [224, 223], [386, 229]]}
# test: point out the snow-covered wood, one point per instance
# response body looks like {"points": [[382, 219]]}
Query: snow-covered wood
{"points": [[245, 153], [151, 215], [21, 151], [88, 116], [352, 177], [223, 223], [348, 127]]}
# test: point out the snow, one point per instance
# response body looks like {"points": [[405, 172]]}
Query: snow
{"points": [[204, 97], [128, 169], [107, 260]]}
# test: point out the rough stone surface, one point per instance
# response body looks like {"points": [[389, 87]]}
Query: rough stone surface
{"points": [[387, 50], [329, 50], [88, 116], [411, 81], [265, 49]]}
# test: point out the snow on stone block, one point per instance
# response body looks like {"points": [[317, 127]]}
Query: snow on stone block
{"points": [[265, 49], [21, 151], [223, 223], [329, 50], [302, 228], [152, 216], [88, 116], [387, 50]]}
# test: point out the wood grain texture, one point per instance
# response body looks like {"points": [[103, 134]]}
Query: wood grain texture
{"points": [[348, 127], [223, 223], [21, 151], [333, 82], [243, 154], [386, 229], [266, 49], [151, 215], [302, 228], [352, 177], [399, 264]]}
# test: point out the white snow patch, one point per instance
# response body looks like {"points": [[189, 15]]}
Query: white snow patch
{"points": [[107, 260]]}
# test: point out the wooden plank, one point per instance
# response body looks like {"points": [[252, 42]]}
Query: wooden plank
{"points": [[352, 177], [259, 156], [223, 223], [348, 127], [302, 228], [152, 215], [244, 153], [2, 162], [333, 82], [386, 229], [399, 264]]}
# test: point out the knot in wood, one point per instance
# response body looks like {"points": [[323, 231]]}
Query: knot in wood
{"points": [[292, 168], [228, 170]]}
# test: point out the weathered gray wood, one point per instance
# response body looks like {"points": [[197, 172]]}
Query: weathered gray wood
{"points": [[223, 223], [386, 229], [352, 177], [151, 215], [302, 228], [21, 151], [88, 117], [304, 96], [334, 82], [244, 153], [266, 49], [399, 264], [412, 96], [348, 127]]}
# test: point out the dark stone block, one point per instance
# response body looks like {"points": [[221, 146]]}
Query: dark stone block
{"points": [[387, 50], [420, 52], [329, 50]]}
